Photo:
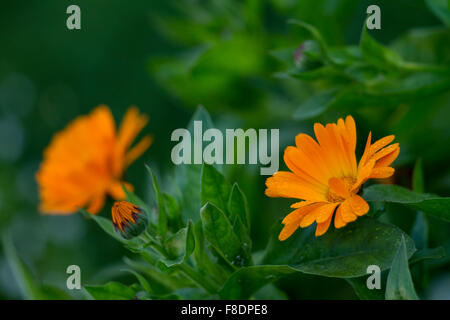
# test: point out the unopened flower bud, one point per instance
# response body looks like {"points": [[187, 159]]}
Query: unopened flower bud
{"points": [[129, 220]]}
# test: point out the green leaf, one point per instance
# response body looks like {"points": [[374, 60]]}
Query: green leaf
{"points": [[418, 179], [161, 282], [340, 253], [246, 281], [203, 260], [173, 212], [359, 285], [377, 54], [54, 293], [270, 292], [133, 198], [162, 209], [188, 176], [108, 227], [214, 188], [440, 8], [143, 282], [315, 105], [316, 35], [237, 206], [112, 291], [179, 246], [419, 231], [219, 232], [245, 241], [427, 254], [399, 283], [27, 283], [438, 207]]}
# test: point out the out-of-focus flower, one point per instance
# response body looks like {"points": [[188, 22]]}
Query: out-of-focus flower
{"points": [[128, 219], [326, 176], [85, 161]]}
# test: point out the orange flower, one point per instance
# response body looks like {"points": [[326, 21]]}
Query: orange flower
{"points": [[85, 161], [326, 176], [128, 219]]}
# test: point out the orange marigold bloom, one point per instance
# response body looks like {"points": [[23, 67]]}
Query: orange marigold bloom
{"points": [[85, 161], [326, 176]]}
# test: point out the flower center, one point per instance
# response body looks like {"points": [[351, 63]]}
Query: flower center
{"points": [[333, 196]]}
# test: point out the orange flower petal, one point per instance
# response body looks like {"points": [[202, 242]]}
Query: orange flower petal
{"points": [[358, 205], [338, 220], [366, 153], [287, 231], [138, 150], [347, 212], [311, 216], [338, 187], [323, 227], [297, 214], [287, 185], [300, 204], [96, 204], [388, 159], [325, 212], [116, 189], [382, 172], [381, 143], [304, 168], [385, 151]]}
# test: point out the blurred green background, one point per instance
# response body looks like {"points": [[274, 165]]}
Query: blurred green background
{"points": [[167, 57]]}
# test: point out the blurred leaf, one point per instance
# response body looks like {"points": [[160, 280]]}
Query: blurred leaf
{"points": [[316, 35], [143, 282], [340, 253], [214, 188], [219, 232], [27, 283], [173, 211], [237, 206], [270, 292], [315, 105], [399, 283], [440, 8], [439, 207], [112, 291], [162, 283], [162, 209], [427, 254], [359, 284], [419, 231], [418, 179], [188, 176], [53, 293], [244, 237], [108, 227], [180, 246], [246, 281], [203, 260], [377, 54]]}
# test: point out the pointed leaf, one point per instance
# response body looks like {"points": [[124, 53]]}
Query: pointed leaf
{"points": [[399, 283], [162, 209], [340, 253], [219, 232], [215, 189], [27, 283], [237, 206], [437, 206]]}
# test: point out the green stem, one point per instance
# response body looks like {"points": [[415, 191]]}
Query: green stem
{"points": [[198, 279]]}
